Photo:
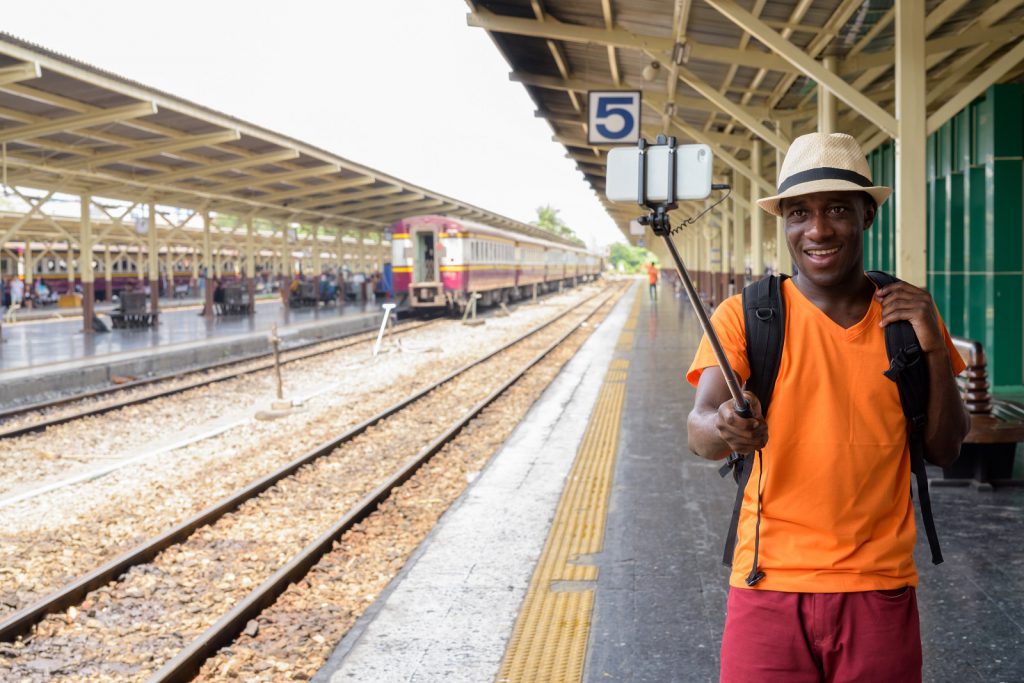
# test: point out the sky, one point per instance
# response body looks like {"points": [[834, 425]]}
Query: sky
{"points": [[402, 86]]}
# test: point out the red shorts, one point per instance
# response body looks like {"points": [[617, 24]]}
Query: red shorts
{"points": [[815, 637]]}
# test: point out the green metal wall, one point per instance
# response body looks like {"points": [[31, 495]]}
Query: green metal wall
{"points": [[975, 226]]}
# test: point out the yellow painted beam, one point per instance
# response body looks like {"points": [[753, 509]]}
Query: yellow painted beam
{"points": [[976, 87], [285, 177], [149, 149], [1001, 34], [733, 109], [580, 85], [338, 201], [806, 64], [620, 38], [78, 122], [20, 72], [305, 190], [221, 166]]}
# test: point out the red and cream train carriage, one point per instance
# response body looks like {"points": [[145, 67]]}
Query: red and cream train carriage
{"points": [[439, 261]]}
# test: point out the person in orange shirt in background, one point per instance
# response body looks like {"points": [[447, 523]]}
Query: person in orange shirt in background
{"points": [[652, 280], [831, 595]]}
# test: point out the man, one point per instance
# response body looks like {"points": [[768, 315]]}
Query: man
{"points": [[835, 542], [652, 280]]}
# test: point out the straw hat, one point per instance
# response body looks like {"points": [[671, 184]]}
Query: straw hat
{"points": [[823, 162]]}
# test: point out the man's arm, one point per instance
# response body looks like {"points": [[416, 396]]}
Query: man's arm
{"points": [[948, 419], [714, 429]]}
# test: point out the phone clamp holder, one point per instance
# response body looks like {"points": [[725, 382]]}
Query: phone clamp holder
{"points": [[658, 218]]}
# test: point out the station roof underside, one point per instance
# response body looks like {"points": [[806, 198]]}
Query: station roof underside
{"points": [[69, 127], [729, 72]]}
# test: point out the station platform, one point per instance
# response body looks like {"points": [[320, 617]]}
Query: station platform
{"points": [[42, 356], [590, 546]]}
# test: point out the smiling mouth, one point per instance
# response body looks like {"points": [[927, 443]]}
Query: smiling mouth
{"points": [[821, 252]]}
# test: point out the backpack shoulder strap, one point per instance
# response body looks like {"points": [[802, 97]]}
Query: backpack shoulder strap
{"points": [[764, 318], [909, 370], [764, 327]]}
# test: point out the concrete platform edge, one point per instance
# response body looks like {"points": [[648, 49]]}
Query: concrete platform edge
{"points": [[24, 384]]}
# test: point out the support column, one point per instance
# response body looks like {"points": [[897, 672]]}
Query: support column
{"points": [[783, 258], [317, 265], [108, 263], [756, 216], [286, 268], [169, 268], [30, 270], [739, 237], [340, 245], [725, 257], [207, 267], [85, 264], [826, 102], [911, 125], [250, 265], [154, 264], [71, 268]]}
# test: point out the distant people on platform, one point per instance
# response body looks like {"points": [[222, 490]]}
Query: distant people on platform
{"points": [[17, 292], [218, 296], [652, 280], [10, 298], [43, 294]]}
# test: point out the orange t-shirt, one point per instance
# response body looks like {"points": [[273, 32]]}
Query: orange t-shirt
{"points": [[652, 275], [836, 513]]}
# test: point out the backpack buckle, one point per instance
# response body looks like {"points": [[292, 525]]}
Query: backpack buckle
{"points": [[730, 463]]}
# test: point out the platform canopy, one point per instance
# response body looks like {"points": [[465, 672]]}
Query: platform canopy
{"points": [[729, 73], [68, 127]]}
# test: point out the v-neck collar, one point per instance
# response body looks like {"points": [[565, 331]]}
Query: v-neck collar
{"points": [[871, 316]]}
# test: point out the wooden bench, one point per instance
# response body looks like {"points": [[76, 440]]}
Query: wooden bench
{"points": [[987, 454], [133, 311]]}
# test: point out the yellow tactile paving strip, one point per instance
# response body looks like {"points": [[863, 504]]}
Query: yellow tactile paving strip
{"points": [[549, 642]]}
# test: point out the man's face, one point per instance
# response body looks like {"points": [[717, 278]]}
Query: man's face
{"points": [[825, 233]]}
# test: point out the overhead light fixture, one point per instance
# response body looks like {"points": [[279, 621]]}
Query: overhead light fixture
{"points": [[680, 53], [650, 71]]}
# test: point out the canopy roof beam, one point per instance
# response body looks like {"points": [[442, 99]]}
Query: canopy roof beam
{"points": [[803, 62], [556, 30], [97, 118]]}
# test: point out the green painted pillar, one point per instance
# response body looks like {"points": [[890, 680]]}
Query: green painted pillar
{"points": [[954, 312], [1001, 134]]}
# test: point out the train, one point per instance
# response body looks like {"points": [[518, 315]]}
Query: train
{"points": [[440, 262], [51, 269]]}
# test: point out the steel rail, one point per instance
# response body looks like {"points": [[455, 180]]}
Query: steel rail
{"points": [[190, 660], [307, 348], [20, 622]]}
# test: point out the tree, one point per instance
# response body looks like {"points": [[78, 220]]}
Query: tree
{"points": [[547, 219], [627, 258]]}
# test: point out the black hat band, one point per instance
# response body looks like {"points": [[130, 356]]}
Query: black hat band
{"points": [[825, 173]]}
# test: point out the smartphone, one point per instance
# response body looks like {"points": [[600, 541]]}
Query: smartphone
{"points": [[692, 173]]}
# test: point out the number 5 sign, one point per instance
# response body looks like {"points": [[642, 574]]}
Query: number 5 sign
{"points": [[613, 116]]}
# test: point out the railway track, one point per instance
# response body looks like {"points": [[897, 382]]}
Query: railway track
{"points": [[293, 493], [168, 385]]}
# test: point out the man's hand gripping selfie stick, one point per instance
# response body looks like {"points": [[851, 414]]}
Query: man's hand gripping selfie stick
{"points": [[659, 221]]}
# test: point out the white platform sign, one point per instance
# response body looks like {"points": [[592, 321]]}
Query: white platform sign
{"points": [[613, 116]]}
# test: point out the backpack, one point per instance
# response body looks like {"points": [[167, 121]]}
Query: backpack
{"points": [[764, 323]]}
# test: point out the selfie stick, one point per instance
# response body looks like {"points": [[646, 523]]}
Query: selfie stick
{"points": [[659, 221]]}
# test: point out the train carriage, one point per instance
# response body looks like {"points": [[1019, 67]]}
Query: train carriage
{"points": [[438, 261]]}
